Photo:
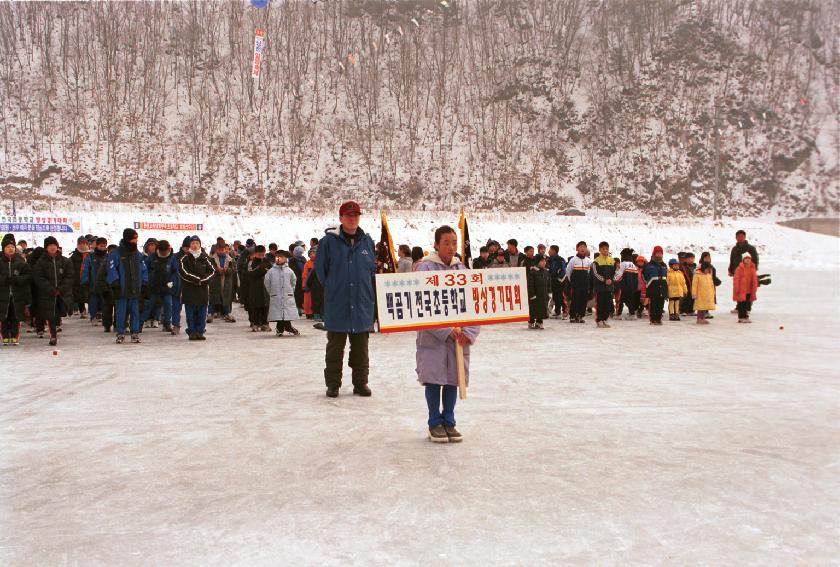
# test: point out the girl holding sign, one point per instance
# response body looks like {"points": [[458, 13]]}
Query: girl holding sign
{"points": [[437, 361]]}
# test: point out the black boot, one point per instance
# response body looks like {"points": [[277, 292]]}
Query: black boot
{"points": [[361, 390], [332, 392]]}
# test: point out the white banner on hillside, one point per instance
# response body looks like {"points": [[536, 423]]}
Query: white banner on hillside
{"points": [[258, 48], [452, 298]]}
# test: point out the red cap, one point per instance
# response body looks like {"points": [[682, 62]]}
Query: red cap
{"points": [[350, 208], [657, 250]]}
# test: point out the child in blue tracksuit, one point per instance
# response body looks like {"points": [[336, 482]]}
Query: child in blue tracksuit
{"points": [[126, 276]]}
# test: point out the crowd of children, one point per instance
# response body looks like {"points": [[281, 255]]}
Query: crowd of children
{"points": [[126, 289]]}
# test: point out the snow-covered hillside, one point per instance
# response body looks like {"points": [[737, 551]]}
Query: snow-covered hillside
{"points": [[505, 104]]}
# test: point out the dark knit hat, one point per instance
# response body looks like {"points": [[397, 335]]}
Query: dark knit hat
{"points": [[50, 240], [194, 238], [8, 239], [81, 239], [657, 250], [129, 234], [186, 242]]}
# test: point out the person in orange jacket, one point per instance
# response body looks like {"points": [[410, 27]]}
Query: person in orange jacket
{"points": [[745, 287]]}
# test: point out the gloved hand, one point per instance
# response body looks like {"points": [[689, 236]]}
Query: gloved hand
{"points": [[169, 285]]}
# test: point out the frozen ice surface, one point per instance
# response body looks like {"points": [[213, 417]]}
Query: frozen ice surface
{"points": [[676, 445]]}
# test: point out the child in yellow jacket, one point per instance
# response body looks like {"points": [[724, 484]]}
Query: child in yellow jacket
{"points": [[703, 292], [677, 289]]}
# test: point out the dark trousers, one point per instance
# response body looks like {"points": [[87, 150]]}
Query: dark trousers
{"points": [[687, 304], [433, 399], [605, 305], [629, 299], [285, 326], [579, 298], [334, 358], [258, 315], [10, 325], [744, 308], [94, 305], [196, 318], [50, 324], [656, 308], [107, 312], [558, 296]]}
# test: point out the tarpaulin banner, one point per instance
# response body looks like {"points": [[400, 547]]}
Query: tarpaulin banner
{"points": [[452, 298]]}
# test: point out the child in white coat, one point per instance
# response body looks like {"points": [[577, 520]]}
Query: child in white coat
{"points": [[280, 283]]}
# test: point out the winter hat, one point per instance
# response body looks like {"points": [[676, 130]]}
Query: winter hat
{"points": [[657, 250], [673, 261], [9, 239], [150, 241], [250, 242], [163, 246], [186, 242], [81, 239], [298, 250], [129, 234], [50, 240], [746, 255], [194, 238], [350, 208]]}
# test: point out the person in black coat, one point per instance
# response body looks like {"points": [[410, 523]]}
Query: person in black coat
{"points": [[80, 292], [539, 286], [741, 247], [256, 300], [53, 277], [15, 277], [196, 270]]}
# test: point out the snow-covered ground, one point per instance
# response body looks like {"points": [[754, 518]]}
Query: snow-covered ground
{"points": [[637, 445], [780, 247]]}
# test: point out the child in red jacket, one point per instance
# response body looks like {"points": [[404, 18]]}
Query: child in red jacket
{"points": [[744, 287]]}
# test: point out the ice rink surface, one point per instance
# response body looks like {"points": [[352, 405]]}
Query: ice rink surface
{"points": [[636, 445]]}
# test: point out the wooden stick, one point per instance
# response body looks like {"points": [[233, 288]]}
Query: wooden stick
{"points": [[462, 374]]}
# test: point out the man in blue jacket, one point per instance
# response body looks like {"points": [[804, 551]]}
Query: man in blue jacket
{"points": [[126, 276], [345, 265]]}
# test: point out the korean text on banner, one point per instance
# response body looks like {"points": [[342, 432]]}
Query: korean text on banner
{"points": [[435, 300]]}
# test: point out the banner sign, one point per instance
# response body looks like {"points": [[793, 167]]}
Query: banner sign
{"points": [[168, 226], [420, 301], [37, 223], [258, 48]]}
